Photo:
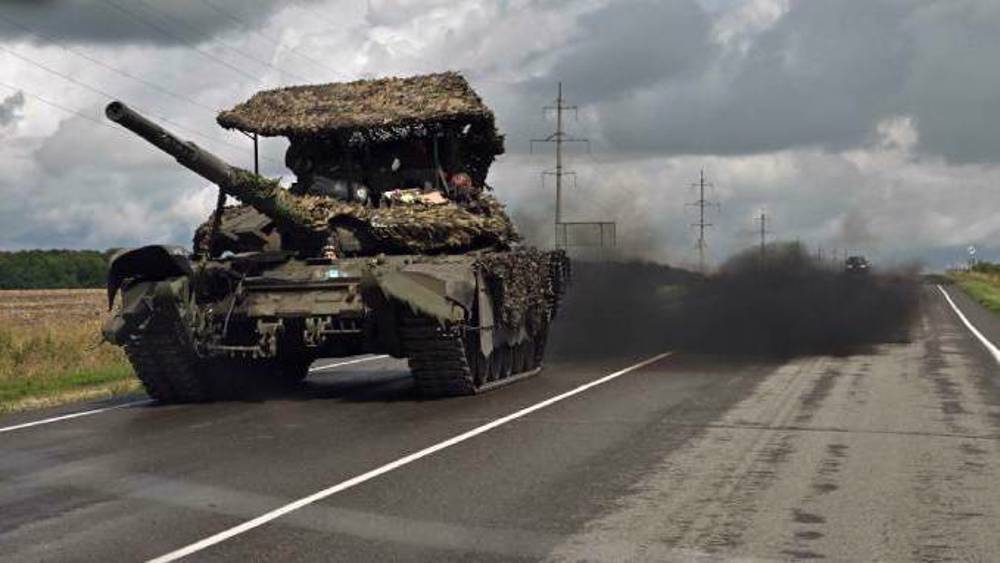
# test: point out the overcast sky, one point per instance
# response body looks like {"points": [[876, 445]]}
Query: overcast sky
{"points": [[871, 125]]}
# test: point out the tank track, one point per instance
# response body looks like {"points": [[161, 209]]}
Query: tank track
{"points": [[446, 363], [165, 362]]}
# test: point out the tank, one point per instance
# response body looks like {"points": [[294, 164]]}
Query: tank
{"points": [[388, 242]]}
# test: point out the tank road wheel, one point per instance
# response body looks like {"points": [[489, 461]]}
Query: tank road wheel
{"points": [[165, 362], [523, 356], [496, 366], [503, 357], [445, 363], [529, 354], [293, 370], [437, 358], [478, 365], [538, 342]]}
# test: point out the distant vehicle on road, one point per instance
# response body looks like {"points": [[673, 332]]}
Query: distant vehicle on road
{"points": [[857, 265]]}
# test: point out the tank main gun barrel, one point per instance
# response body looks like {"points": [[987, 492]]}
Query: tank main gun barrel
{"points": [[263, 194], [190, 155]]}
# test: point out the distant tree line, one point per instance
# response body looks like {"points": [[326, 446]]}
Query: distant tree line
{"points": [[986, 267], [53, 269]]}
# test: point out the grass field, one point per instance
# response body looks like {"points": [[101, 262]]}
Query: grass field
{"points": [[983, 287], [51, 352]]}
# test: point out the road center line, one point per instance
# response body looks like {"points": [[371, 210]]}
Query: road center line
{"points": [[347, 363], [73, 415], [406, 460], [989, 345], [148, 401]]}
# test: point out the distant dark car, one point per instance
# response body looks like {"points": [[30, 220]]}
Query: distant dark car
{"points": [[857, 265]]}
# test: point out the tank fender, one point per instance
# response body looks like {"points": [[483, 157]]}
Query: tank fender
{"points": [[426, 294], [140, 300], [148, 263]]}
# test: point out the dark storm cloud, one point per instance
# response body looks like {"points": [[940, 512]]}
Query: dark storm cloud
{"points": [[624, 47], [822, 76], [10, 108], [122, 21]]}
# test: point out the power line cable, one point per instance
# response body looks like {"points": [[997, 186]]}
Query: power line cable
{"points": [[111, 96], [136, 17], [246, 25], [63, 108], [54, 41], [180, 23], [315, 13]]}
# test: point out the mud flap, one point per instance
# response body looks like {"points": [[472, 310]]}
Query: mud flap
{"points": [[149, 263], [484, 307]]}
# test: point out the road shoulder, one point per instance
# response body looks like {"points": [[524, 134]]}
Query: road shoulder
{"points": [[984, 320]]}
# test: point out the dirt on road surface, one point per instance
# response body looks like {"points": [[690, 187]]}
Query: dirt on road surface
{"points": [[891, 456]]}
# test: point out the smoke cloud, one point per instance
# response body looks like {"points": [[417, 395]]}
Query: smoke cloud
{"points": [[784, 304]]}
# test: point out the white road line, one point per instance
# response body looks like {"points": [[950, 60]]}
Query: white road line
{"points": [[989, 345], [148, 401], [73, 415], [320, 495], [347, 363]]}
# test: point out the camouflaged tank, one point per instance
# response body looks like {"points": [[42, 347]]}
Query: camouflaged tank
{"points": [[388, 242]]}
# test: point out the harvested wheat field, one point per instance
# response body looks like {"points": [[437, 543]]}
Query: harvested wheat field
{"points": [[51, 351]]}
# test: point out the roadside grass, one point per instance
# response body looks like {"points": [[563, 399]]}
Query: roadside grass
{"points": [[982, 286], [51, 353]]}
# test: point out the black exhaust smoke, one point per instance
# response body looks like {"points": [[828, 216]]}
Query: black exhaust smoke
{"points": [[618, 308], [782, 302]]}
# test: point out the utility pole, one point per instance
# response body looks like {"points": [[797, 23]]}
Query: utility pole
{"points": [[701, 203], [559, 137]]}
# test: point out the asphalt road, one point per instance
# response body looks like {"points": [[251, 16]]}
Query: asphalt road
{"points": [[890, 454]]}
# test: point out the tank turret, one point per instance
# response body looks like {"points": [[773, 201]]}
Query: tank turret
{"points": [[309, 222]]}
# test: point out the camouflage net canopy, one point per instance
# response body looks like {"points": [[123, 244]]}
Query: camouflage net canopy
{"points": [[377, 111], [526, 282]]}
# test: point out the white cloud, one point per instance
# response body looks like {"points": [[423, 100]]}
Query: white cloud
{"points": [[876, 119]]}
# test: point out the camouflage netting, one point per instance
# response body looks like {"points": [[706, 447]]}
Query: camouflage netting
{"points": [[526, 282], [401, 229], [381, 104], [419, 228], [374, 112]]}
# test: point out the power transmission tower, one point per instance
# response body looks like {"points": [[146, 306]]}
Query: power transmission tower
{"points": [[702, 203], [559, 137], [762, 219]]}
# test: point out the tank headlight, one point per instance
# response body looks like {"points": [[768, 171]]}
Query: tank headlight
{"points": [[361, 194]]}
